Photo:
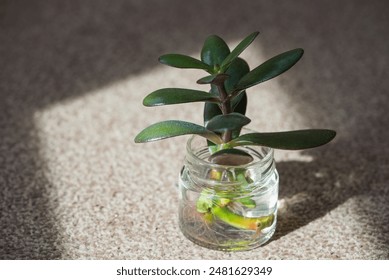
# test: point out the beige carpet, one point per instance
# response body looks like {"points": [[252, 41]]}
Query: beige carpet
{"points": [[73, 185]]}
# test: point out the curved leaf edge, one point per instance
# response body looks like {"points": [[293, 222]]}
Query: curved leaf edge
{"points": [[286, 140], [232, 121], [238, 50], [173, 128], [183, 62], [247, 81], [171, 96]]}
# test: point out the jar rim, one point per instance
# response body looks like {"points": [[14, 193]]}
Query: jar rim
{"points": [[268, 154]]}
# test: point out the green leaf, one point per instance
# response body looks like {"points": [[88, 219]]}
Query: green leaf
{"points": [[213, 79], [167, 96], [231, 121], [210, 110], [236, 71], [270, 69], [172, 128], [238, 49], [288, 140], [238, 68], [214, 51], [183, 61], [239, 103]]}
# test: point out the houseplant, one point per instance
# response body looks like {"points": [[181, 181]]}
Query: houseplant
{"points": [[228, 185]]}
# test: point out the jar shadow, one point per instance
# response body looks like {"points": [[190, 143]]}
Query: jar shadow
{"points": [[311, 190], [304, 196]]}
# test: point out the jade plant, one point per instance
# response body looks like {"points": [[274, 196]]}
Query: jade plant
{"points": [[225, 103], [228, 76]]}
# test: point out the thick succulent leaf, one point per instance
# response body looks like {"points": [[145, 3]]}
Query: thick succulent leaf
{"points": [[210, 110], [167, 96], [214, 51], [172, 128], [183, 61], [239, 49], [213, 79], [231, 121], [239, 103], [270, 69], [288, 140], [236, 71]]}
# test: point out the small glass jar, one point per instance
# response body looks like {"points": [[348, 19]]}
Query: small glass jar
{"points": [[228, 207]]}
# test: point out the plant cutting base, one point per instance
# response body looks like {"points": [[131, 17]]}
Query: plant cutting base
{"points": [[218, 236]]}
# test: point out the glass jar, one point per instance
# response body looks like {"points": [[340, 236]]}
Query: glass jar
{"points": [[228, 206]]}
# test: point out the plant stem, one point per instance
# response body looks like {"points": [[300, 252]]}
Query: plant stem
{"points": [[225, 106]]}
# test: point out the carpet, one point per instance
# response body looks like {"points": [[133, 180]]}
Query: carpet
{"points": [[74, 185]]}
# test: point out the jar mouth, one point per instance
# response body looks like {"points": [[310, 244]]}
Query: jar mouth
{"points": [[262, 155]]}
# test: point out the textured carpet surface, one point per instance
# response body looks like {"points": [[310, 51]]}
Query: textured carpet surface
{"points": [[73, 74]]}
